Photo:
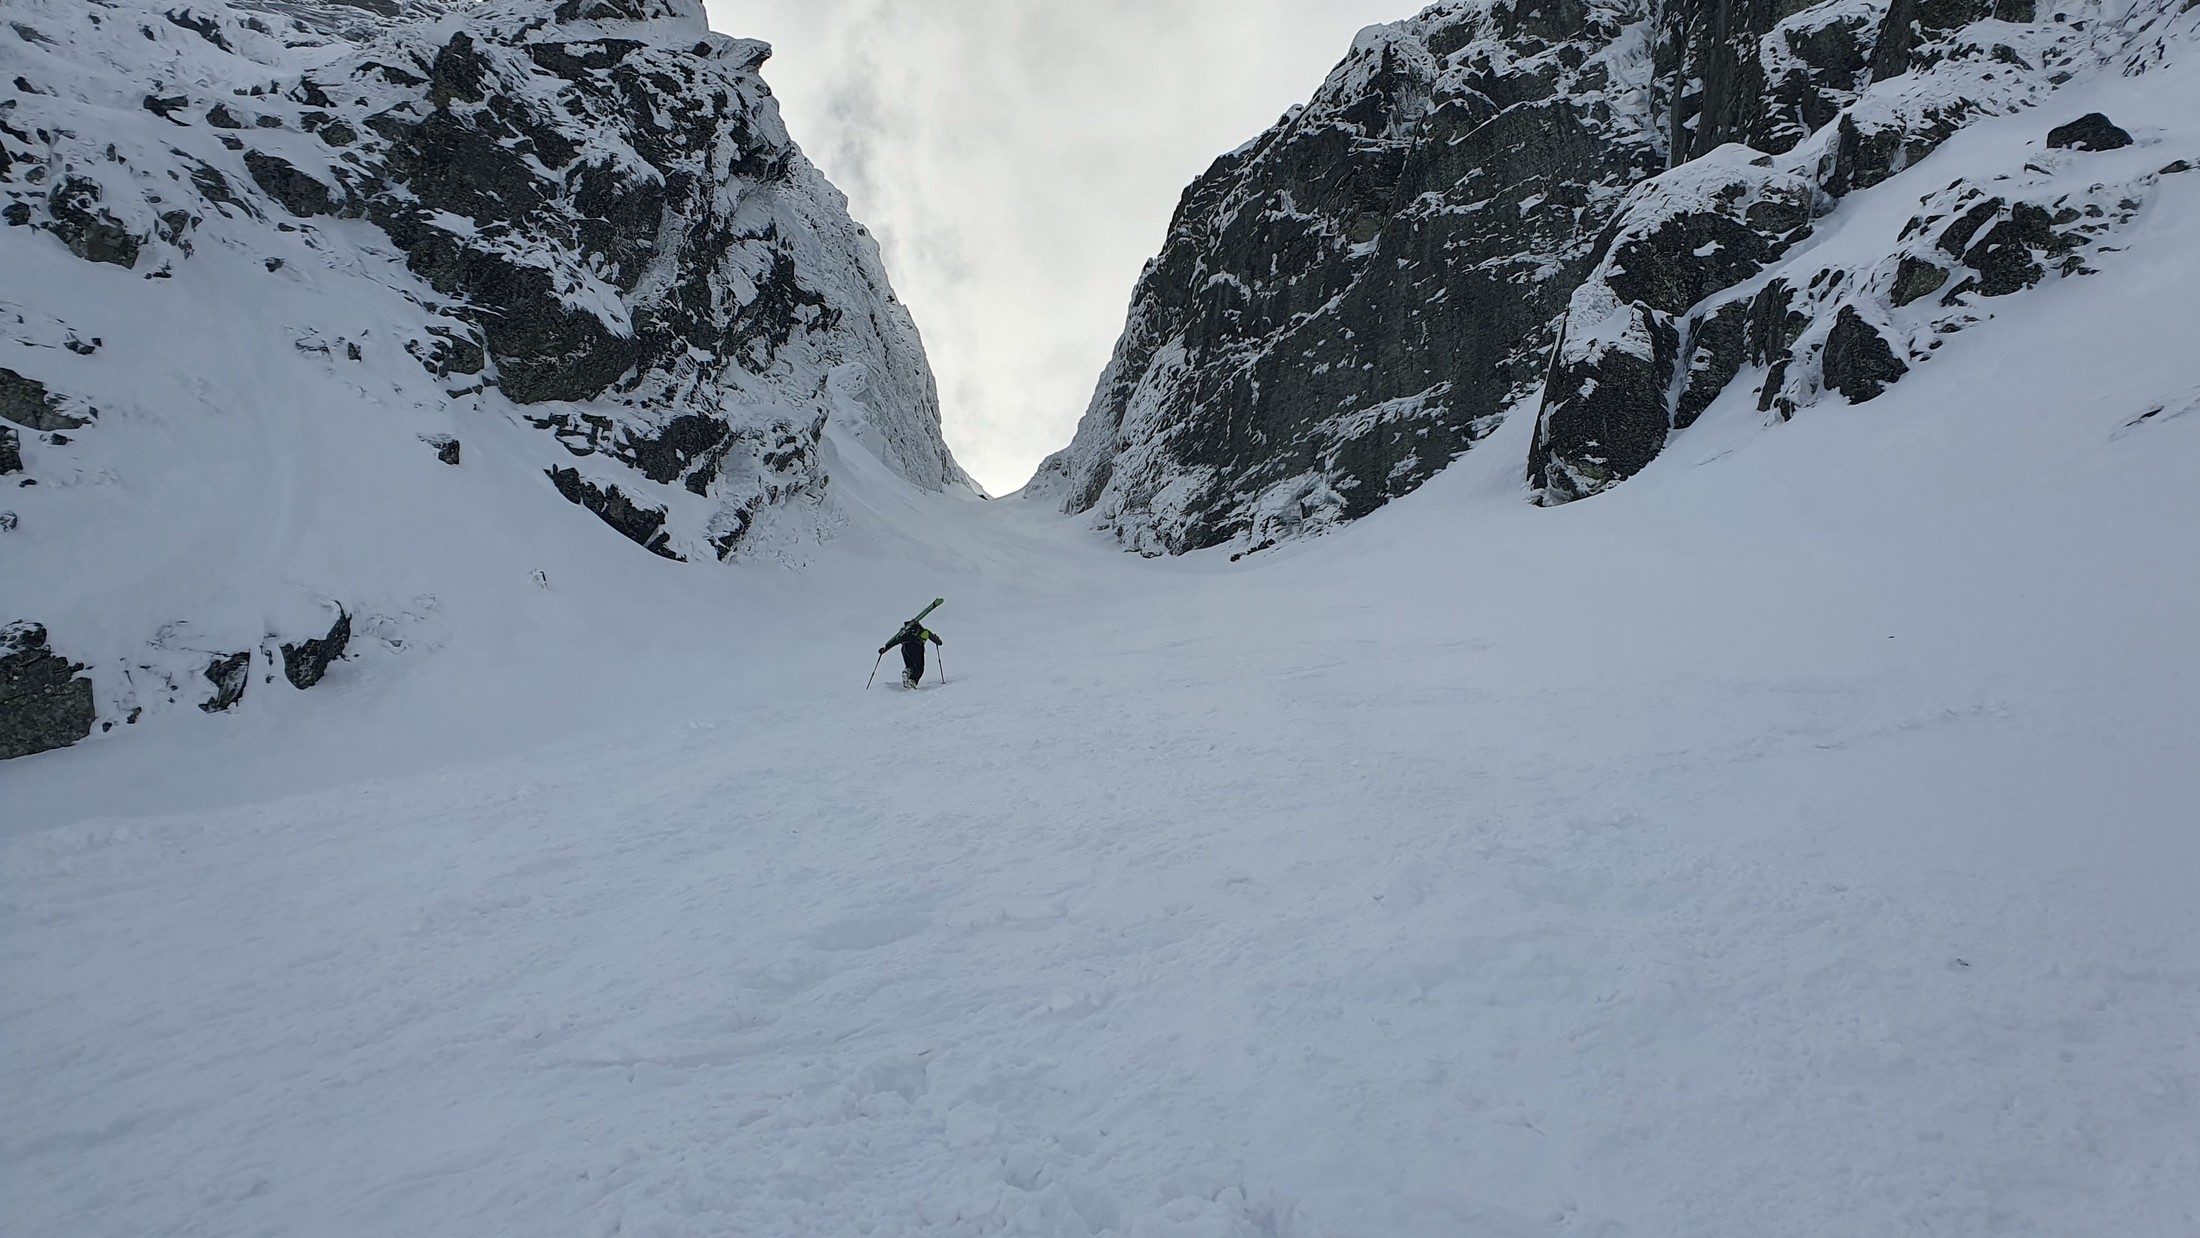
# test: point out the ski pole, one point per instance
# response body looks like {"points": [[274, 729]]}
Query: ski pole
{"points": [[874, 670], [942, 653]]}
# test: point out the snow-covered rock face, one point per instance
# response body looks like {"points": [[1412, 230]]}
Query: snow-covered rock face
{"points": [[581, 217], [1352, 299], [1594, 213], [1701, 287]]}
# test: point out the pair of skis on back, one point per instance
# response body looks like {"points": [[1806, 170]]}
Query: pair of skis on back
{"points": [[919, 620]]}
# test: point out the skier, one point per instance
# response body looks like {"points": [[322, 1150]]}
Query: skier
{"points": [[911, 638]]}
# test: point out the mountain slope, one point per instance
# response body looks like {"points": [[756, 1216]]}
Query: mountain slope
{"points": [[1576, 212], [1701, 285], [272, 269], [1353, 298], [1795, 839]]}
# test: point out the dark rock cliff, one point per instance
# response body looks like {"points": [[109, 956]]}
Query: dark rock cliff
{"points": [[1350, 301], [1585, 212], [1639, 360], [577, 230], [44, 702]]}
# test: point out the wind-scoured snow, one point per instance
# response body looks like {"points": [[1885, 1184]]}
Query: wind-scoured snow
{"points": [[1797, 839]]}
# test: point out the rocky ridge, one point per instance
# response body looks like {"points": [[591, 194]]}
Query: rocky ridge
{"points": [[1700, 288], [1593, 214], [582, 219], [1354, 298]]}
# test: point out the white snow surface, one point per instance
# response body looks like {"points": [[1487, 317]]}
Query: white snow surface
{"points": [[1799, 839]]}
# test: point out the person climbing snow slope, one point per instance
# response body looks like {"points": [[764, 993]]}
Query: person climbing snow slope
{"points": [[911, 638]]}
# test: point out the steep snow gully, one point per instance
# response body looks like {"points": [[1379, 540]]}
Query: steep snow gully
{"points": [[1799, 838]]}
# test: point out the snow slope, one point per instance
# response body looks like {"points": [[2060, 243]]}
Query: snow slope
{"points": [[1798, 839]]}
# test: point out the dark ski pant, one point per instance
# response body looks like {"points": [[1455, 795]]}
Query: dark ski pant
{"points": [[912, 658]]}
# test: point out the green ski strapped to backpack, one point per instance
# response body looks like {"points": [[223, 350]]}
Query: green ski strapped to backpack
{"points": [[917, 622]]}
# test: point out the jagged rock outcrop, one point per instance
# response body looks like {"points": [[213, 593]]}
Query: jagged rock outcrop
{"points": [[27, 403], [230, 676], [1633, 368], [576, 229], [1353, 299], [2091, 131], [305, 662], [1702, 227], [44, 702]]}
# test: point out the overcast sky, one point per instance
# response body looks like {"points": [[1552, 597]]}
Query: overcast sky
{"points": [[1018, 161]]}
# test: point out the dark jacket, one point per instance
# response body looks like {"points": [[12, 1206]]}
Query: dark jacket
{"points": [[911, 638]]}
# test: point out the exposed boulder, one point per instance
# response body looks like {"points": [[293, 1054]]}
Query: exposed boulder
{"points": [[2091, 131], [1639, 359], [230, 676], [1605, 413], [44, 703], [11, 451], [641, 525], [1719, 345], [299, 193], [1916, 278], [446, 448], [2003, 256], [27, 403], [307, 661], [447, 351], [1858, 361], [78, 217]]}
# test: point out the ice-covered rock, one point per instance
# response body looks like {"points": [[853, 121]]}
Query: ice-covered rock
{"points": [[44, 702]]}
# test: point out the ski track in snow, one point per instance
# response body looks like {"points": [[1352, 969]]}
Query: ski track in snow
{"points": [[1798, 839]]}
